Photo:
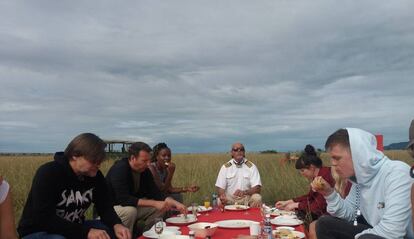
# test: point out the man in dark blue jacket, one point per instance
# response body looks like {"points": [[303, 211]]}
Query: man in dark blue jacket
{"points": [[134, 191]]}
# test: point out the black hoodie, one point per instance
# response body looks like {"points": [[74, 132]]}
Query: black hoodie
{"points": [[58, 200]]}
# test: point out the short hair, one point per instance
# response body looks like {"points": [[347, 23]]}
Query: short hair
{"points": [[340, 137], [136, 147], [156, 150], [309, 157], [87, 145]]}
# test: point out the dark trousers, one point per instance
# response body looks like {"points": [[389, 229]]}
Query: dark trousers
{"points": [[328, 227], [93, 224]]}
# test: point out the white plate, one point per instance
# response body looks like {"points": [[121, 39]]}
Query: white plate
{"points": [[152, 234], [181, 220], [285, 221], [174, 237], [295, 233], [236, 207], [200, 209], [287, 228], [172, 228], [277, 212], [234, 223]]}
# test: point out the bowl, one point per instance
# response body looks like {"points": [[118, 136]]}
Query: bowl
{"points": [[203, 229]]}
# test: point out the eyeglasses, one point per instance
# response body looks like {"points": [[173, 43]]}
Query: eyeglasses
{"points": [[237, 149]]}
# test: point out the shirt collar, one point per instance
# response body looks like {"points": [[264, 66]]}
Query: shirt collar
{"points": [[239, 165]]}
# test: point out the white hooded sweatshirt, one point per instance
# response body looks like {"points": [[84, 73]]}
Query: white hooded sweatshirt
{"points": [[384, 189]]}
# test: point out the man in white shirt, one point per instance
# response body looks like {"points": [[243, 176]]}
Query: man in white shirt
{"points": [[239, 179]]}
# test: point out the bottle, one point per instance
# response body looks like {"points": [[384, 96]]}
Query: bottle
{"points": [[267, 227], [214, 201], [191, 234]]}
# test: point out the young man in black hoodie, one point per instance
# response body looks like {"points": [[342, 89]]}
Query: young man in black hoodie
{"points": [[135, 193], [62, 191]]}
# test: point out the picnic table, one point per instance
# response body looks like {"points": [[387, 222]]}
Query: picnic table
{"points": [[224, 233]]}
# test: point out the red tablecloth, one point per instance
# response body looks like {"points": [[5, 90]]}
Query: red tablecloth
{"points": [[223, 233]]}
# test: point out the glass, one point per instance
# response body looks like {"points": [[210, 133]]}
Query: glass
{"points": [[246, 198], [246, 204], [207, 203], [194, 207], [158, 226]]}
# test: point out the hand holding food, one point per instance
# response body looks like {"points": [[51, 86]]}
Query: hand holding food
{"points": [[321, 186], [318, 183], [170, 167]]}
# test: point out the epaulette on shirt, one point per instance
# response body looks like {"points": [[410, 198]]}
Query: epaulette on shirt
{"points": [[227, 165], [248, 163]]}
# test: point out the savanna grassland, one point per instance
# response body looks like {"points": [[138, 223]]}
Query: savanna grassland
{"points": [[280, 181]]}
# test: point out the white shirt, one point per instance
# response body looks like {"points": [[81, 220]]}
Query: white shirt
{"points": [[231, 177], [4, 189]]}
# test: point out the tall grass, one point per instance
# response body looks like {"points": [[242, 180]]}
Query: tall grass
{"points": [[279, 181]]}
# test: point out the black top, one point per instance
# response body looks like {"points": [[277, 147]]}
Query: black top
{"points": [[58, 200], [121, 185]]}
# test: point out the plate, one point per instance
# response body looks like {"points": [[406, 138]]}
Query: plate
{"points": [[234, 223], [295, 233], [181, 220], [277, 212], [174, 237], [285, 228], [172, 228], [152, 234], [236, 207], [286, 221], [200, 209]]}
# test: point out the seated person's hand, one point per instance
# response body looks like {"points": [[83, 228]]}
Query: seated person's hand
{"points": [[162, 205], [291, 206], [182, 208], [321, 186], [98, 234], [171, 167], [179, 206], [238, 193], [283, 204], [122, 232], [223, 199], [193, 188]]}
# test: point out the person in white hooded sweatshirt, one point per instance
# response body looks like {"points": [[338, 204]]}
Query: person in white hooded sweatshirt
{"points": [[378, 205]]}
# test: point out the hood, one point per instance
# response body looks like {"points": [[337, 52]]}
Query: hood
{"points": [[366, 158], [61, 159]]}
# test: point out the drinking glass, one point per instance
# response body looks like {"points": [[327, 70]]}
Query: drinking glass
{"points": [[207, 203], [246, 204], [194, 207], [158, 226]]}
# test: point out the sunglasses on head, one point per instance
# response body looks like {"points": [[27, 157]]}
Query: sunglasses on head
{"points": [[237, 149]]}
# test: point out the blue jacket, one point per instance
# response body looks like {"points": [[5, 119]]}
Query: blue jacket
{"points": [[384, 186]]}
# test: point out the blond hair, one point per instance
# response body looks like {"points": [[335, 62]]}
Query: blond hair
{"points": [[340, 183]]}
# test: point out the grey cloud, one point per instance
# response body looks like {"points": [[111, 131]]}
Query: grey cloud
{"points": [[201, 75]]}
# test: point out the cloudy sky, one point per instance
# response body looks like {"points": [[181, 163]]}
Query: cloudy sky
{"points": [[200, 75]]}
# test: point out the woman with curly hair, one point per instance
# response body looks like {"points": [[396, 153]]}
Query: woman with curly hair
{"points": [[163, 170]]}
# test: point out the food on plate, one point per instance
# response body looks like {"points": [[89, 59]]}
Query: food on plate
{"points": [[282, 213], [285, 233]]}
